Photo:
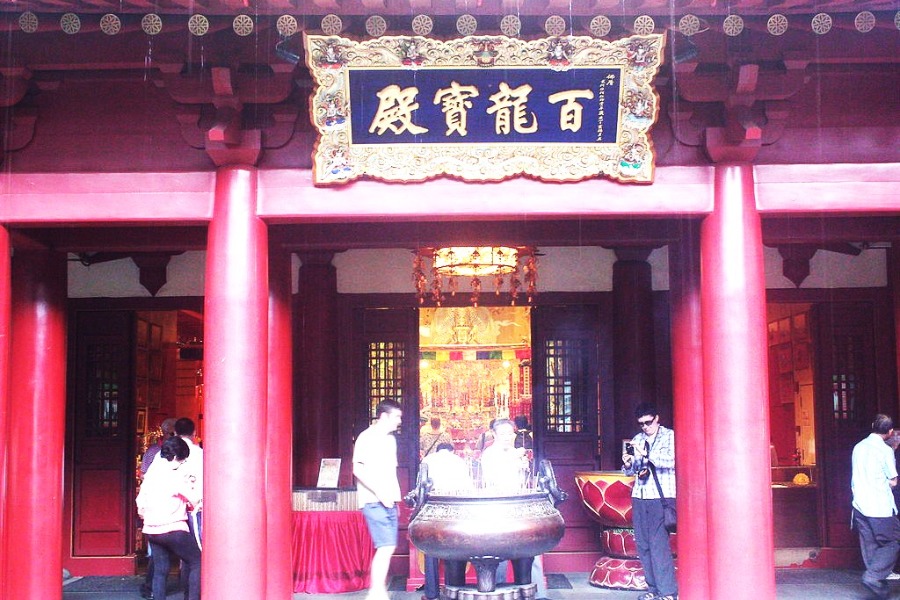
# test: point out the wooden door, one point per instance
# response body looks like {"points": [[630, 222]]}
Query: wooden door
{"points": [[565, 350], [847, 400], [389, 351], [102, 434]]}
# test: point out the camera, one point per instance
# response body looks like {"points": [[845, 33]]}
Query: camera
{"points": [[629, 449]]}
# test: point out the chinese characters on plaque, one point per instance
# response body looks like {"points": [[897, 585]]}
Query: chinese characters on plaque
{"points": [[483, 108]]}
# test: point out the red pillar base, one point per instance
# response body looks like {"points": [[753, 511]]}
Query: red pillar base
{"points": [[618, 574], [621, 569]]}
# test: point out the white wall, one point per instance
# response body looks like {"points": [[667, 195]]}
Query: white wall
{"points": [[120, 278], [560, 269], [832, 270]]}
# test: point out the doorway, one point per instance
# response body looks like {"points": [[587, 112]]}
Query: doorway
{"points": [[791, 408], [474, 367], [792, 419], [828, 376], [130, 370]]}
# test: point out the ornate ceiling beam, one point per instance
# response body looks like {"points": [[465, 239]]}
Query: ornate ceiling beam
{"points": [[659, 9], [780, 231], [620, 233], [123, 240], [829, 233]]}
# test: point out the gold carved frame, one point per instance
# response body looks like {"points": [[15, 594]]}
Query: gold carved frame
{"points": [[337, 160]]}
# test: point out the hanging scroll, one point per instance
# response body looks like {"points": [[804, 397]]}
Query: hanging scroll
{"points": [[483, 108]]}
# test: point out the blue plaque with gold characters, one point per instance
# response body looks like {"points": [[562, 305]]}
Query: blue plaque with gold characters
{"points": [[483, 108]]}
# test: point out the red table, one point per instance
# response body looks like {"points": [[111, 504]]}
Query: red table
{"points": [[332, 552]]}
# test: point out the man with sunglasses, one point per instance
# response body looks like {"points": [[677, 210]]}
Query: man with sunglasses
{"points": [[653, 449]]}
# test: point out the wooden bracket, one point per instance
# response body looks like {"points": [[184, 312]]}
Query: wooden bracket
{"points": [[228, 89], [15, 82]]}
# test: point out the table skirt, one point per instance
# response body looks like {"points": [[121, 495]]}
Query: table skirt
{"points": [[332, 552]]}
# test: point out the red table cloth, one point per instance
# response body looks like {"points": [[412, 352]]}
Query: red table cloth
{"points": [[332, 552]]}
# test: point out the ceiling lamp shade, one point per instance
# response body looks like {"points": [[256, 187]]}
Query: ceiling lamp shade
{"points": [[475, 262]]}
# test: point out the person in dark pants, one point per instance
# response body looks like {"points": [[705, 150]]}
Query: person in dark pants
{"points": [[652, 448], [162, 504], [186, 430], [167, 430], [874, 507]]}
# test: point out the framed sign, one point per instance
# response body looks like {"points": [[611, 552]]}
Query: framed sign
{"points": [[483, 108], [329, 473]]}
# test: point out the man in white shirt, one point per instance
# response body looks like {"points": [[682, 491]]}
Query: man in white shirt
{"points": [[378, 490], [506, 469], [874, 509], [449, 475]]}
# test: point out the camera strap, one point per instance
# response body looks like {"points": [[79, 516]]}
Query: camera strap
{"points": [[652, 468]]}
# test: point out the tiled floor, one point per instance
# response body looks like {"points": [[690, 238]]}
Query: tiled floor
{"points": [[792, 584]]}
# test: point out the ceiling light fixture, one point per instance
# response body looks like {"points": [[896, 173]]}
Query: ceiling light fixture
{"points": [[475, 262]]}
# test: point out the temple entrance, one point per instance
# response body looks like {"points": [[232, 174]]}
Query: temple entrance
{"points": [[130, 370], [792, 418], [475, 366], [823, 390], [791, 409]]}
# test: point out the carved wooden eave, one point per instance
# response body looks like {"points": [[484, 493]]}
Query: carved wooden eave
{"points": [[228, 90], [753, 100], [17, 127]]}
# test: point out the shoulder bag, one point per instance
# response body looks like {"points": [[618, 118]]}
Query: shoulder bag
{"points": [[670, 517]]}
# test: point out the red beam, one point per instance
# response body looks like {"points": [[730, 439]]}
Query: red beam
{"points": [[112, 198], [856, 188], [570, 232], [287, 194], [779, 230], [97, 238]]}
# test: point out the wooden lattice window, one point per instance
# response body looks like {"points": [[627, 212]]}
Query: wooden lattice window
{"points": [[567, 376], [103, 376], [846, 377], [386, 374]]}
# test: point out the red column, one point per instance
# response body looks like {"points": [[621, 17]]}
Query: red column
{"points": [[894, 285], [739, 492], [235, 356], [633, 348], [278, 438], [37, 423], [687, 389], [4, 397], [316, 429]]}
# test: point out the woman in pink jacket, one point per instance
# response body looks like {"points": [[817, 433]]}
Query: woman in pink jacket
{"points": [[162, 503]]}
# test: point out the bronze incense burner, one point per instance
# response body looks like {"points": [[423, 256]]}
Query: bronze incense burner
{"points": [[486, 529]]}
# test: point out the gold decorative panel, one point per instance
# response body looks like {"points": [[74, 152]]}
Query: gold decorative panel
{"points": [[483, 108]]}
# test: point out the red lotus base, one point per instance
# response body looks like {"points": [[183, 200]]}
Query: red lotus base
{"points": [[607, 496], [618, 573]]}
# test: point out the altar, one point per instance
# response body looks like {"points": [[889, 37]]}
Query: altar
{"points": [[331, 548]]}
